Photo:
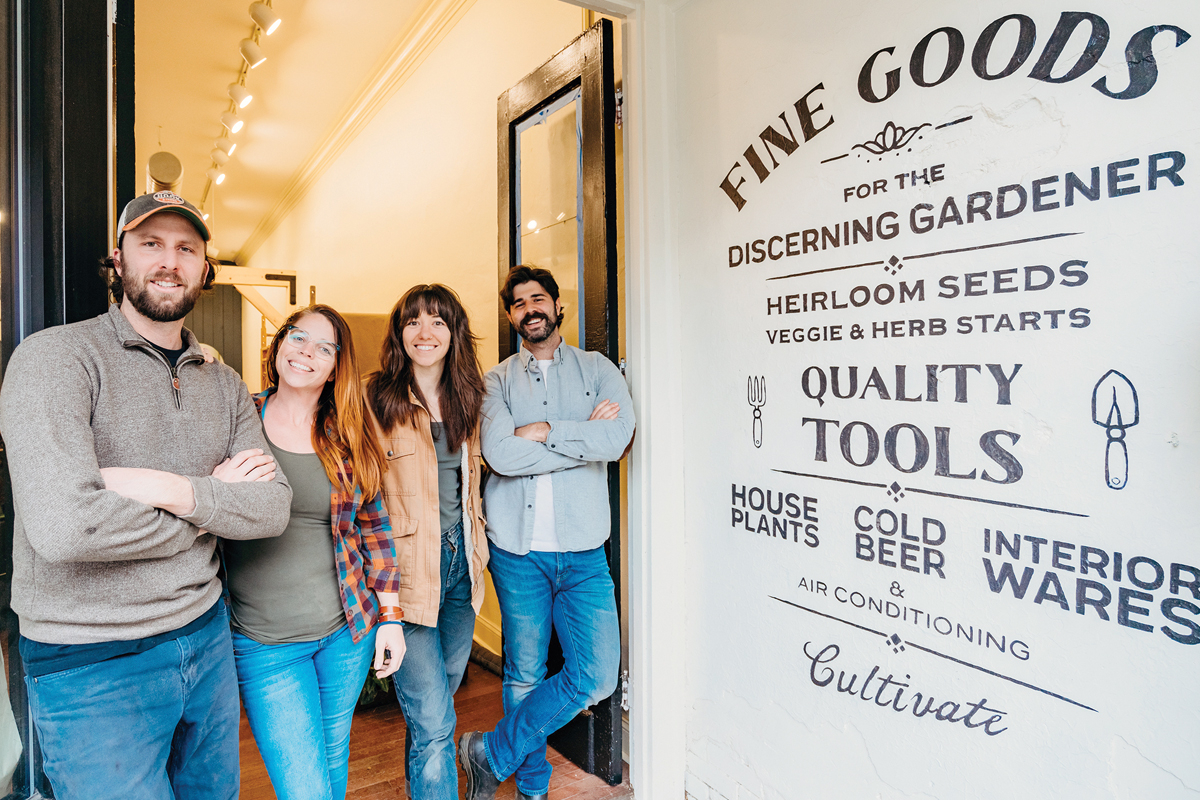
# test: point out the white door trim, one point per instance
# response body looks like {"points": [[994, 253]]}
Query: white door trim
{"points": [[657, 716]]}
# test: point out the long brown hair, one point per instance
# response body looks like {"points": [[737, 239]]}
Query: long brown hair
{"points": [[460, 390], [341, 430]]}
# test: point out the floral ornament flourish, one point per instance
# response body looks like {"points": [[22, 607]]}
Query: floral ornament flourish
{"points": [[892, 137]]}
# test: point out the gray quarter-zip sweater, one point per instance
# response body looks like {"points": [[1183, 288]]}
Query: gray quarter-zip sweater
{"points": [[88, 564]]}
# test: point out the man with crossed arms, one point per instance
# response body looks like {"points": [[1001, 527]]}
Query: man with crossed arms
{"points": [[129, 454], [553, 418]]}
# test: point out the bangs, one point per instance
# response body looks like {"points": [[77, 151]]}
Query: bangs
{"points": [[430, 299]]}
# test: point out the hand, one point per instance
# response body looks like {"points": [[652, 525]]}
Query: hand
{"points": [[389, 649], [534, 431], [606, 409], [248, 465]]}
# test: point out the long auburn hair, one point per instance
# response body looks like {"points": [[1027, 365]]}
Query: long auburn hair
{"points": [[460, 391], [341, 429]]}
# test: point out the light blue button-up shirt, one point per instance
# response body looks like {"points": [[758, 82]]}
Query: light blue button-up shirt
{"points": [[576, 451]]}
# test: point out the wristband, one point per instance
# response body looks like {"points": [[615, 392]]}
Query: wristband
{"points": [[391, 614]]}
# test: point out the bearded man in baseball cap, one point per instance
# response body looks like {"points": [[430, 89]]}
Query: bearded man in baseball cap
{"points": [[129, 456]]}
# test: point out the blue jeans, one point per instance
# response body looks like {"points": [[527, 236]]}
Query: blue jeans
{"points": [[156, 725], [574, 592], [428, 677], [299, 699]]}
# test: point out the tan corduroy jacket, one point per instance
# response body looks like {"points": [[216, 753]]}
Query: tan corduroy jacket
{"points": [[410, 491]]}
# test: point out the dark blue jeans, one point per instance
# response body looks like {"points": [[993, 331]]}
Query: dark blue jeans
{"points": [[428, 677], [573, 592], [157, 725]]}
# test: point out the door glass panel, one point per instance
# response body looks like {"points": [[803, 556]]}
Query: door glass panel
{"points": [[549, 203]]}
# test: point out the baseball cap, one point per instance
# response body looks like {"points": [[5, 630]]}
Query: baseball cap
{"points": [[140, 208]]}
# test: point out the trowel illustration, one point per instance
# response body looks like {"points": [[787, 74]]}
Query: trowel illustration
{"points": [[1115, 407]]}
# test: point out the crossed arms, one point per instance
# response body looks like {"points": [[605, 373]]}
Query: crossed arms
{"points": [[68, 510], [555, 445]]}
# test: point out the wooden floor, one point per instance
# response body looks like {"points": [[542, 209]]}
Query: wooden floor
{"points": [[377, 751]]}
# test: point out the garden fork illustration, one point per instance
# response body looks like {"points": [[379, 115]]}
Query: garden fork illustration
{"points": [[756, 394]]}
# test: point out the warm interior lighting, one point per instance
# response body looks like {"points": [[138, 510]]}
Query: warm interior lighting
{"points": [[215, 175], [231, 121], [532, 224], [264, 17], [240, 95], [252, 53], [219, 157], [205, 217], [225, 144]]}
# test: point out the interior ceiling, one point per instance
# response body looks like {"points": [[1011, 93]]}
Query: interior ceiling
{"points": [[318, 59]]}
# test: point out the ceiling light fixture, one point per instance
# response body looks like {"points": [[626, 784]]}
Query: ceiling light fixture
{"points": [[252, 53], [225, 144], [219, 156], [240, 95], [205, 217], [215, 175], [264, 17], [231, 121]]}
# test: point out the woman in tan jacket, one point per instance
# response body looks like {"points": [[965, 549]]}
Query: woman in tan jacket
{"points": [[426, 399]]}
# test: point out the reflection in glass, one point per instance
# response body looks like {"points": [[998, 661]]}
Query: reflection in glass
{"points": [[5, 271], [13, 708], [549, 202], [10, 673]]}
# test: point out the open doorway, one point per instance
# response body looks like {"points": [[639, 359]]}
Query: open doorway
{"points": [[363, 164]]}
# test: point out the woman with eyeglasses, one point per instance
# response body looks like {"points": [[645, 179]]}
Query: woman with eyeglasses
{"points": [[426, 398], [314, 607]]}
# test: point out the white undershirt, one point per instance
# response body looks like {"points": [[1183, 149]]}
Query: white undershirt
{"points": [[545, 532]]}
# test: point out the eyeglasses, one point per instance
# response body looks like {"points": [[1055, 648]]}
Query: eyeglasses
{"points": [[298, 339]]}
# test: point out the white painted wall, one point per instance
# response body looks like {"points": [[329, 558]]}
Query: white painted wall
{"points": [[413, 198], [1081, 704]]}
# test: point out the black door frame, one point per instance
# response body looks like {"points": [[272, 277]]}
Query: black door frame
{"points": [[593, 739], [62, 117], [56, 225], [586, 64]]}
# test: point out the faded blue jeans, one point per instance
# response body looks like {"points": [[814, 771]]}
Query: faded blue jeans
{"points": [[433, 667], [573, 592], [156, 725], [299, 699]]}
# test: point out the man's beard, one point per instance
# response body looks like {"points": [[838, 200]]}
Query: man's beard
{"points": [[164, 310], [547, 330]]}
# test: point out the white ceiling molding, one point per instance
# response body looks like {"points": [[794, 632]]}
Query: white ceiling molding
{"points": [[429, 27]]}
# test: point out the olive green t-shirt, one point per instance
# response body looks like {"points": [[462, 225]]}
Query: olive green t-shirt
{"points": [[285, 589], [449, 477]]}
